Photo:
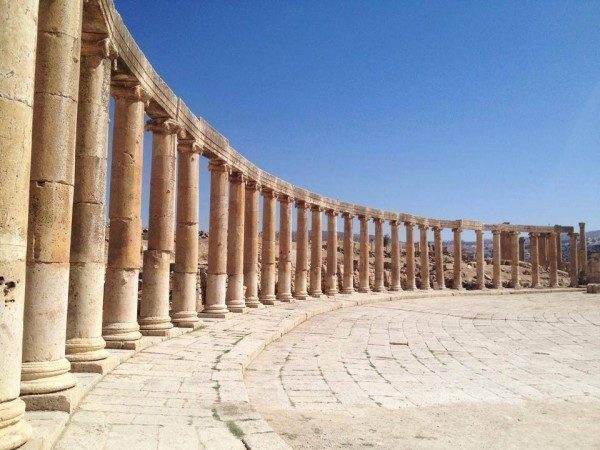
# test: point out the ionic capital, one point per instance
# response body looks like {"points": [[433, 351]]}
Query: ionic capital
{"points": [[284, 198], [348, 215], [189, 146], [423, 226], [269, 193], [93, 44], [496, 231], [436, 228], [317, 208], [457, 230], [363, 218], [253, 185], [533, 234], [130, 90], [218, 165], [163, 125], [377, 220], [237, 177], [301, 204], [331, 212], [409, 223]]}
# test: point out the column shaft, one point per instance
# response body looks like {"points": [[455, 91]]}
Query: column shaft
{"points": [[558, 231], [216, 274], [514, 265], [521, 249], [316, 252], [410, 257], [457, 284], [553, 261], [378, 285], [284, 281], [301, 276], [154, 304], [18, 34], [332, 278], [395, 256], [234, 297], [543, 249], [480, 259], [185, 279], [497, 280], [535, 257], [573, 269], [424, 257], [267, 273], [348, 281], [251, 245], [45, 368], [583, 258], [439, 258], [363, 261]]}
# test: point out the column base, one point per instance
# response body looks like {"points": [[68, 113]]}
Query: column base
{"points": [[14, 431], [363, 290], [318, 294], [155, 326], [65, 400], [395, 288], [379, 289], [86, 349], [46, 377], [214, 315], [348, 291], [268, 300], [428, 288], [253, 302], [102, 366], [301, 296], [121, 332], [237, 309], [331, 292], [285, 297], [185, 319]]}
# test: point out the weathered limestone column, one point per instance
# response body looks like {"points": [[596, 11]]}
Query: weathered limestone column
{"points": [[284, 278], [86, 278], [348, 281], [251, 245], [583, 258], [120, 326], [457, 284], [267, 273], [543, 249], [216, 273], [514, 265], [505, 245], [535, 257], [234, 298], [185, 279], [379, 285], [395, 275], [316, 252], [363, 261], [573, 269], [558, 230], [480, 259], [45, 368], [496, 279], [439, 257], [521, 249], [424, 254], [332, 279], [154, 304], [410, 256], [18, 37], [301, 275], [553, 261]]}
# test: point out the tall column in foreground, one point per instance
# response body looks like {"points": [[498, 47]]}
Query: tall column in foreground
{"points": [[267, 273], [521, 249], [234, 298], [284, 282], [410, 256], [378, 286], [497, 256], [424, 253], [45, 368], [301, 276], [457, 258], [120, 325], [558, 231], [535, 259], [348, 281], [514, 265], [18, 33], [363, 261], [583, 258], [573, 269], [316, 252], [480, 259], [332, 279], [216, 273], [439, 258], [553, 261], [251, 244], [86, 278], [154, 304], [395, 275], [543, 249], [185, 279]]}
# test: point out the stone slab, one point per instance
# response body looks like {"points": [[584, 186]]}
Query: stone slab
{"points": [[102, 366]]}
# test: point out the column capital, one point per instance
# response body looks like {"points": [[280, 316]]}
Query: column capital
{"points": [[100, 45], [347, 215], [496, 231], [130, 89], [237, 177], [377, 220], [423, 226], [409, 223], [268, 193], [436, 228], [301, 204], [218, 165], [457, 230], [253, 185], [285, 198], [533, 234], [318, 208], [189, 146], [163, 125], [331, 212]]}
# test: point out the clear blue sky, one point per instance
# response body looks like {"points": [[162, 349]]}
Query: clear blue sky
{"points": [[482, 110]]}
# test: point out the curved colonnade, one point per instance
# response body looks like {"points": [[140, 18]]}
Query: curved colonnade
{"points": [[67, 59]]}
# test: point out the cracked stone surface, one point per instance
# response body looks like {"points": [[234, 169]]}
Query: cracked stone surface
{"points": [[473, 371]]}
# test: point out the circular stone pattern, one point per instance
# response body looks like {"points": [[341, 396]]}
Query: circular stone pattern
{"points": [[489, 371]]}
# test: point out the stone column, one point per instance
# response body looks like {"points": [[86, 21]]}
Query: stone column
{"points": [[410, 256], [267, 273], [552, 259], [18, 34], [348, 281], [185, 279], [301, 276], [573, 272], [558, 231], [316, 255], [120, 326], [395, 275], [234, 297], [86, 278], [45, 368], [216, 274], [457, 283], [251, 245], [439, 258], [363, 261], [154, 304], [514, 265], [332, 279], [583, 258], [379, 285], [284, 279], [535, 257], [497, 280], [505, 250], [521, 249], [424, 256], [480, 259], [543, 249]]}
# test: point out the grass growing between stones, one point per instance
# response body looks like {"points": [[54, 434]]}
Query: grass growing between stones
{"points": [[235, 430]]}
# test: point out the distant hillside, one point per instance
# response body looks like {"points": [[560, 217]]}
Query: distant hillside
{"points": [[593, 234]]}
